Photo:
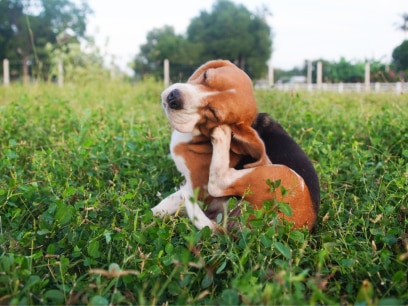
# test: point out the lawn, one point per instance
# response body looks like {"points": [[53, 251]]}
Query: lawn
{"points": [[81, 166]]}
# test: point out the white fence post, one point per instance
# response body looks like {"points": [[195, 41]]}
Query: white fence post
{"points": [[377, 87], [367, 77], [166, 72], [309, 72], [60, 73], [6, 72], [398, 88], [319, 75], [271, 80]]}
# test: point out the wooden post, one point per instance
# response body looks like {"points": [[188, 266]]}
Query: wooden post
{"points": [[270, 76], [341, 87], [60, 73], [309, 72], [367, 77], [26, 76], [6, 72], [319, 75], [166, 73], [377, 87], [398, 88]]}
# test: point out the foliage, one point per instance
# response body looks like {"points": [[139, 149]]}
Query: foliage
{"points": [[400, 56], [78, 66], [26, 27], [163, 44], [343, 71], [404, 25], [245, 39], [81, 166]]}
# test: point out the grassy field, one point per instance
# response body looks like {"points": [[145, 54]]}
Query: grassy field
{"points": [[81, 166]]}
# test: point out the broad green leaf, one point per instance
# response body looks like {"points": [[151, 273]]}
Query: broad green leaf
{"points": [[93, 249], [283, 249]]}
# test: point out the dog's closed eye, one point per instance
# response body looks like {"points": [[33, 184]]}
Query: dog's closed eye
{"points": [[208, 76]]}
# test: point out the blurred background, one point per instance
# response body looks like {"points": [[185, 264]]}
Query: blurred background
{"points": [[40, 39]]}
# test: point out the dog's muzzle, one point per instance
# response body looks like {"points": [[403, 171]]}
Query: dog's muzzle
{"points": [[174, 100]]}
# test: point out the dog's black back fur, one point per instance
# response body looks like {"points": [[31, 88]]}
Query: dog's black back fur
{"points": [[283, 150]]}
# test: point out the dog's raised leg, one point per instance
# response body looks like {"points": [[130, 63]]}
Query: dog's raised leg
{"points": [[222, 177]]}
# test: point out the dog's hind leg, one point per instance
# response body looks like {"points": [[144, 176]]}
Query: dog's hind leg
{"points": [[222, 177]]}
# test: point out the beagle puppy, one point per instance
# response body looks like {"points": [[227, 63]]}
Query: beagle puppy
{"points": [[217, 103]]}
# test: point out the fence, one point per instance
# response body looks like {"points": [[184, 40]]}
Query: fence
{"points": [[398, 87], [367, 86], [6, 73]]}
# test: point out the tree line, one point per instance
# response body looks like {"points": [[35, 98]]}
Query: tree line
{"points": [[35, 34], [230, 31], [344, 71]]}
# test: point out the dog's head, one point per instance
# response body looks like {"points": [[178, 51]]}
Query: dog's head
{"points": [[217, 93]]}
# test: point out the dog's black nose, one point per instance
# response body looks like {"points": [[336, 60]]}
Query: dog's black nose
{"points": [[174, 99]]}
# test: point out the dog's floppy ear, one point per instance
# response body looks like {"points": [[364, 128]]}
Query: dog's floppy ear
{"points": [[209, 65], [246, 141]]}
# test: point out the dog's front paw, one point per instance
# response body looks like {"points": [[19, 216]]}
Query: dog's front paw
{"points": [[221, 134]]}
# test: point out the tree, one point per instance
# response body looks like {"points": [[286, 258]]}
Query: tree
{"points": [[404, 26], [231, 32], [400, 56], [27, 26], [164, 43]]}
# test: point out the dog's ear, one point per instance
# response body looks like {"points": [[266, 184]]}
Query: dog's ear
{"points": [[209, 65], [246, 141]]}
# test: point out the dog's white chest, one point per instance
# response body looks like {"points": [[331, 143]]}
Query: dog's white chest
{"points": [[176, 139]]}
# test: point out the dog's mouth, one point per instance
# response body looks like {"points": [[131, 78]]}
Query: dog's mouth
{"points": [[183, 120]]}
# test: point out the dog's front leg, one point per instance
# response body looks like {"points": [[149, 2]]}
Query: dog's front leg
{"points": [[171, 204], [197, 216], [184, 196]]}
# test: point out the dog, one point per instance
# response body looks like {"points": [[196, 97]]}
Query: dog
{"points": [[218, 100]]}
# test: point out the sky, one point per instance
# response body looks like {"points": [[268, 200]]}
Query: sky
{"points": [[357, 30]]}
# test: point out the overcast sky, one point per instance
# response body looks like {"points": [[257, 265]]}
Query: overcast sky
{"points": [[303, 29]]}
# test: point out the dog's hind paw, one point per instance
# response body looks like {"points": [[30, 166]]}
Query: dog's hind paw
{"points": [[221, 134]]}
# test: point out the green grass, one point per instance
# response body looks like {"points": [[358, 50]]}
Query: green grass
{"points": [[81, 166]]}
